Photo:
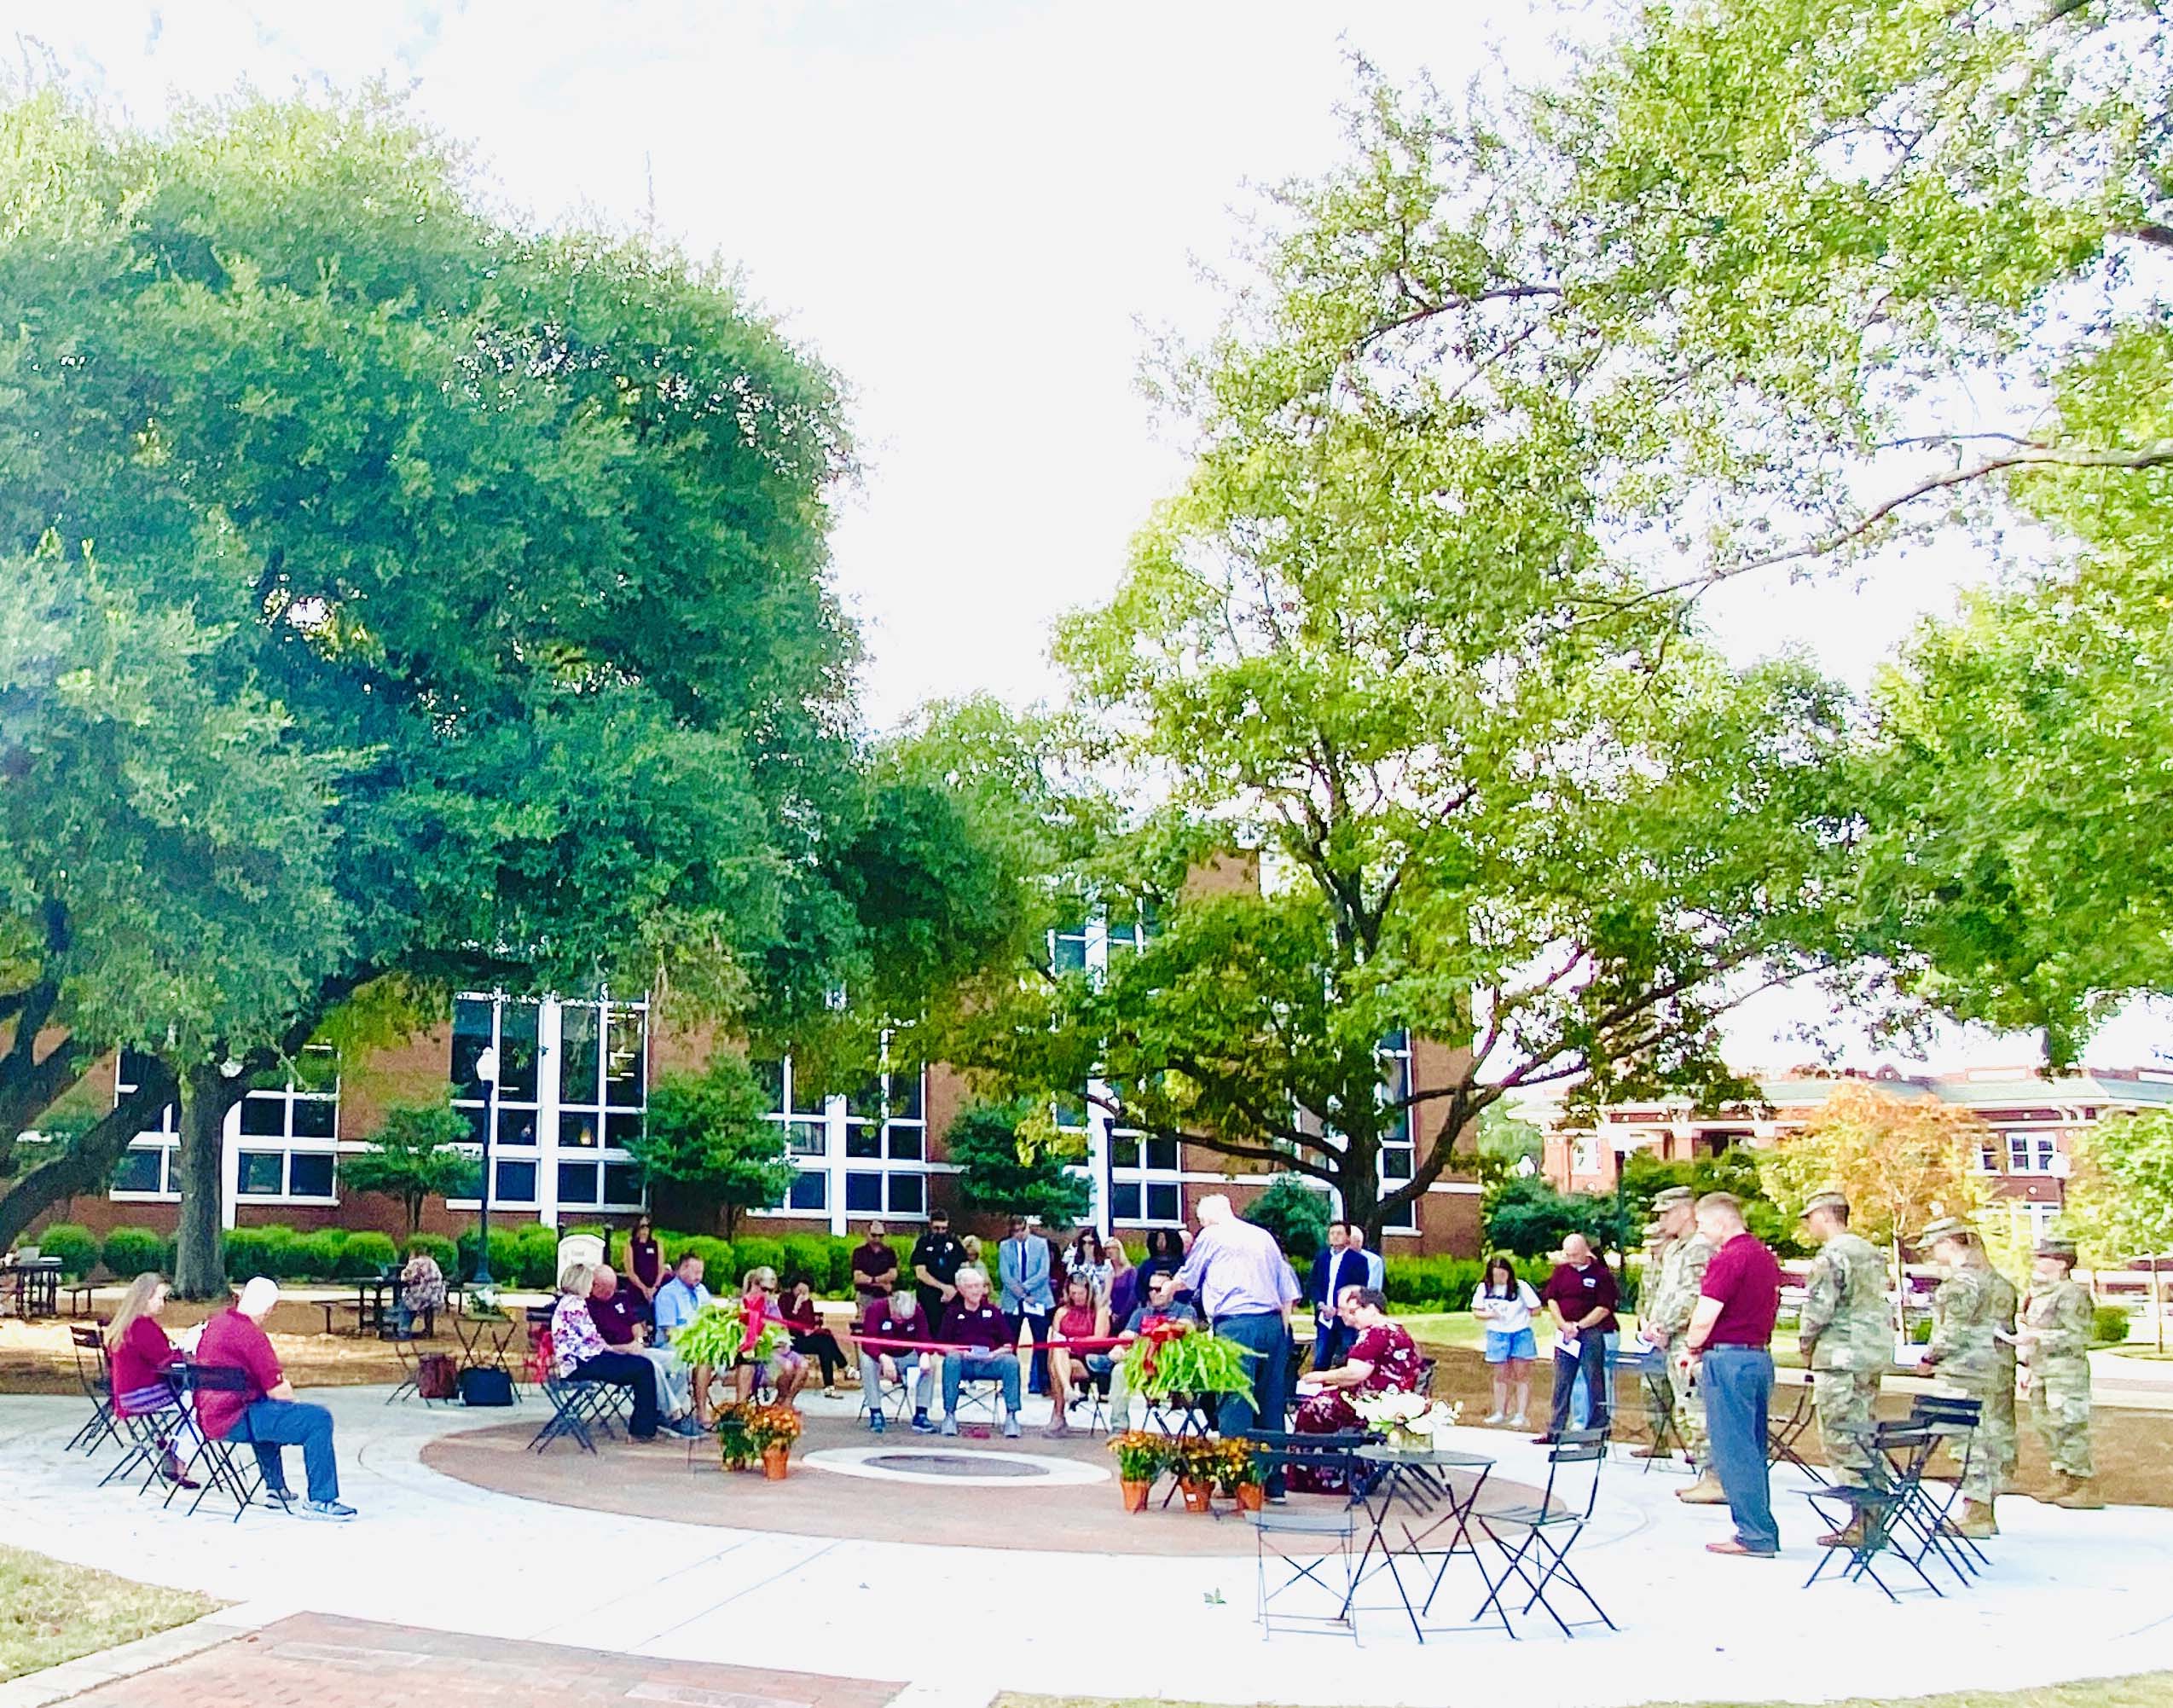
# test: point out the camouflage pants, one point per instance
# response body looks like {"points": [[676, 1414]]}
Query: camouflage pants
{"points": [[1846, 1403], [2060, 1405], [1690, 1405], [1991, 1451], [2003, 1407]]}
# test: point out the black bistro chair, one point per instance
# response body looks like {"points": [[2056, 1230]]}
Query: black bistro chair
{"points": [[94, 1373], [222, 1465], [1550, 1529], [1314, 1545]]}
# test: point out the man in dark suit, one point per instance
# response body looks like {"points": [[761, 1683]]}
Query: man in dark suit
{"points": [[1338, 1266]]}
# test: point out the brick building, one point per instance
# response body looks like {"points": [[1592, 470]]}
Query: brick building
{"points": [[2033, 1122]]}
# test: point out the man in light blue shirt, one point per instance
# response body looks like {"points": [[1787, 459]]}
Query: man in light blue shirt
{"points": [[1023, 1271], [1244, 1289], [675, 1303]]}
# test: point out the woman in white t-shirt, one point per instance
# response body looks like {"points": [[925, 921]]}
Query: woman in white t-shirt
{"points": [[1504, 1304]]}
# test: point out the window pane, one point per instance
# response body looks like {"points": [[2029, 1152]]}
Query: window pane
{"points": [[578, 1129], [908, 1195], [1124, 1201], [478, 1120], [810, 1190], [626, 1066], [138, 1169], [309, 1175], [864, 1195], [261, 1173], [1161, 1154], [807, 1094], [133, 1066], [471, 1038], [866, 1099], [576, 1183], [907, 1143], [905, 1094], [806, 1137], [1162, 1203], [1124, 1153], [517, 1127], [315, 1117], [519, 1023], [471, 1188], [621, 1127], [579, 1068], [1395, 1165], [516, 1184], [1069, 954], [622, 1183], [863, 1138], [264, 1116], [1405, 1219]]}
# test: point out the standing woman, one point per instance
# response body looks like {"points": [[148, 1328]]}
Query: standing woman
{"points": [[1088, 1258], [645, 1264], [1124, 1281], [140, 1354], [1165, 1256], [1503, 1305]]}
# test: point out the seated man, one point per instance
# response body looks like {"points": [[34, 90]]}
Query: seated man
{"points": [[675, 1303], [1161, 1305], [620, 1318], [896, 1317], [267, 1415], [579, 1353], [972, 1321]]}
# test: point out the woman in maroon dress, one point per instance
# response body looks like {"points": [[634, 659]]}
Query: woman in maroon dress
{"points": [[1382, 1360]]}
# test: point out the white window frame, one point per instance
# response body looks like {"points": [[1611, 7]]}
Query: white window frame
{"points": [[822, 1143], [286, 1144], [1103, 1131], [164, 1139]]}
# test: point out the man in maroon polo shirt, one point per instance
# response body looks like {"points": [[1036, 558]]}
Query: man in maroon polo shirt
{"points": [[1582, 1292], [266, 1415], [1728, 1341]]}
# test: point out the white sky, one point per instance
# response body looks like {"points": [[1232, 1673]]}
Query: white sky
{"points": [[971, 208]]}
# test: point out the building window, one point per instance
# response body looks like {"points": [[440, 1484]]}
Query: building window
{"points": [[149, 1168], [2031, 1153], [859, 1152], [285, 1132], [1398, 1145]]}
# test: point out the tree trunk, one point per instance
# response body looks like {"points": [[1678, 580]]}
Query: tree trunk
{"points": [[206, 1094], [1358, 1184], [86, 1165]]}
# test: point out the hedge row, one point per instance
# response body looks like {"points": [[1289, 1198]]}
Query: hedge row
{"points": [[331, 1255], [527, 1256]]}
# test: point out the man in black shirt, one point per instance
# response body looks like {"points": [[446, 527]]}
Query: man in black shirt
{"points": [[936, 1259]]}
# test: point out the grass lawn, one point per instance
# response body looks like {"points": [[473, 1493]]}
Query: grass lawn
{"points": [[50, 1612], [2139, 1690]]}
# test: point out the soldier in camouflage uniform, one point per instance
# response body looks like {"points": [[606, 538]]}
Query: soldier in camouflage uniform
{"points": [[2053, 1340], [1965, 1355], [1660, 1385], [2007, 1303], [1665, 1321], [1846, 1333]]}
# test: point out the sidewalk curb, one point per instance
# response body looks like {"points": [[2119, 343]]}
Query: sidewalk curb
{"points": [[73, 1678]]}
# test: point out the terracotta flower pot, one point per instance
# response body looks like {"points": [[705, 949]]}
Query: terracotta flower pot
{"points": [[774, 1462], [1251, 1496], [1135, 1496], [1199, 1497]]}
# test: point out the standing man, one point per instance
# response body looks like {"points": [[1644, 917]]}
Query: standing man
{"points": [[936, 1259], [1964, 1354], [1333, 1269], [1582, 1292], [2053, 1340], [875, 1269], [1845, 1331], [1730, 1342], [2007, 1304], [1659, 1385], [1376, 1267], [1236, 1274], [1665, 1324], [1024, 1294]]}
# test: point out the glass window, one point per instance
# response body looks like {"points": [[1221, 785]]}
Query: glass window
{"points": [[2045, 1150], [315, 1117], [140, 1169], [1162, 1202], [1068, 950], [580, 1035], [1124, 1201], [808, 1095], [908, 1195], [622, 1183], [865, 1101], [1405, 1221], [478, 1120], [309, 1174], [517, 1128], [261, 1173], [907, 1143], [1124, 1150], [810, 1190], [578, 1129], [626, 1068], [863, 1194], [621, 1127], [806, 1137], [264, 1116], [863, 1139], [906, 1094], [576, 1183], [472, 1022], [1161, 1155], [1395, 1163], [516, 1182], [520, 1024]]}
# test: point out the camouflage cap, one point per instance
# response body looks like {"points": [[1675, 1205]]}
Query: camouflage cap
{"points": [[2053, 1246], [1669, 1197], [1826, 1200], [1946, 1228]]}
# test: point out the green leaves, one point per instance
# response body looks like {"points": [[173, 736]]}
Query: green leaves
{"points": [[708, 1132]]}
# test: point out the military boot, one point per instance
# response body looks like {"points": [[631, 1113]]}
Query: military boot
{"points": [[1850, 1535], [1976, 1521], [1705, 1492], [2081, 1495], [2060, 1485]]}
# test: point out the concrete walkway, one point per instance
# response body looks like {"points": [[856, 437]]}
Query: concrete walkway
{"points": [[2070, 1593]]}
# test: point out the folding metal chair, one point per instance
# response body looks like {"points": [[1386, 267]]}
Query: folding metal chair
{"points": [[94, 1375], [147, 1433], [1304, 1543], [580, 1411], [978, 1397], [220, 1464], [1880, 1511], [1551, 1532], [1783, 1432], [1093, 1387], [410, 1366], [1649, 1368], [1951, 1422]]}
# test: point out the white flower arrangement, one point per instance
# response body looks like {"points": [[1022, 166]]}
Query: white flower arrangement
{"points": [[1414, 1414]]}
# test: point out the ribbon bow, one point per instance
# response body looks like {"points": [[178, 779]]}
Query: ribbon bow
{"points": [[1157, 1334]]}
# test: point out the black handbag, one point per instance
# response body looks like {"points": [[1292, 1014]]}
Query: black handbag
{"points": [[486, 1387]]}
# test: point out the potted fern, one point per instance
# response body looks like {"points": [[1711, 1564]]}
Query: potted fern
{"points": [[1173, 1359]]}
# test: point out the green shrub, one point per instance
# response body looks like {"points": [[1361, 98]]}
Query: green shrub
{"points": [[536, 1256], [841, 1265], [808, 1255], [505, 1255], [255, 1251], [365, 1254], [129, 1251], [2109, 1324], [75, 1246], [755, 1251], [1434, 1283], [440, 1248], [719, 1261], [316, 1255], [1920, 1332]]}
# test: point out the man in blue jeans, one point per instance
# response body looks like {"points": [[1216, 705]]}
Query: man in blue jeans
{"points": [[1729, 1344], [972, 1322], [1245, 1290], [266, 1415]]}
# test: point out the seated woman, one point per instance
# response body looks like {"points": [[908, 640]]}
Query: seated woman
{"points": [[787, 1372], [803, 1316], [1082, 1317], [422, 1290], [1381, 1360], [579, 1353], [139, 1354]]}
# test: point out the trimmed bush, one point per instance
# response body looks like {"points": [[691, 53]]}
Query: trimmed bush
{"points": [[440, 1248], [75, 1246], [315, 1257], [257, 1251], [755, 1251], [841, 1265], [536, 1256], [365, 1254], [2109, 1324], [806, 1255], [505, 1256], [1435, 1284], [719, 1261], [128, 1252]]}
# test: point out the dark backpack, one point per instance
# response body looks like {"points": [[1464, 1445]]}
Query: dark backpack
{"points": [[486, 1387]]}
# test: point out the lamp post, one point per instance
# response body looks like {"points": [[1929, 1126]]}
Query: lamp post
{"points": [[486, 1069]]}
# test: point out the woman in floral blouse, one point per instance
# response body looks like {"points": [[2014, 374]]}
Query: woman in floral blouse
{"points": [[1382, 1360], [579, 1353]]}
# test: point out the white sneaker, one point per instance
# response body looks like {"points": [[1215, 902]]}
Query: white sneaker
{"points": [[1011, 1426], [950, 1426], [1518, 1422], [1494, 1417]]}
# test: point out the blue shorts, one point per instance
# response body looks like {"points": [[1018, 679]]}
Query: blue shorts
{"points": [[1500, 1348]]}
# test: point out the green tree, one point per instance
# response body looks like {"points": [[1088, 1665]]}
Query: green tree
{"points": [[1297, 1213], [1528, 1217], [709, 1134], [415, 1156], [2120, 1198], [1011, 1160]]}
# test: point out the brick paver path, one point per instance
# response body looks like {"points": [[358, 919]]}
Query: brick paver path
{"points": [[314, 1660]]}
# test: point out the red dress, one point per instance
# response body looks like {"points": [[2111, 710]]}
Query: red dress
{"points": [[1396, 1369]]}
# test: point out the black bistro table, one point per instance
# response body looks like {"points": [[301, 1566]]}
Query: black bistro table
{"points": [[485, 1339], [37, 1287], [1418, 1516]]}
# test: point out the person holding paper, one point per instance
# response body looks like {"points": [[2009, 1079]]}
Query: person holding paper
{"points": [[1582, 1295]]}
